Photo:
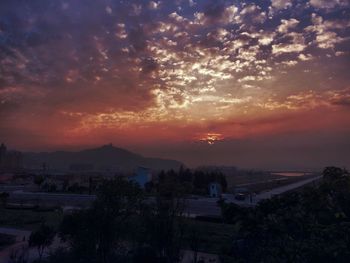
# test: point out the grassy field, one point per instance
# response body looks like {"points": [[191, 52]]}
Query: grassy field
{"points": [[28, 219]]}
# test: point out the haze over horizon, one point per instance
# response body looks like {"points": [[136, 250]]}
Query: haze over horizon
{"points": [[260, 84]]}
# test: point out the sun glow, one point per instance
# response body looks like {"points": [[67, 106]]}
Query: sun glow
{"points": [[211, 138]]}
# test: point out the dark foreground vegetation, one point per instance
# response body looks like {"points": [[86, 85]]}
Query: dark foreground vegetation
{"points": [[6, 240], [122, 225], [310, 225]]}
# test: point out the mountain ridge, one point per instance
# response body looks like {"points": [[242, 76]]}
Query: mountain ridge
{"points": [[103, 157]]}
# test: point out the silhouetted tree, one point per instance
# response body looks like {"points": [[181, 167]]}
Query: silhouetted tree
{"points": [[162, 226], [194, 240], [310, 225], [41, 239], [94, 234], [20, 255], [333, 173], [38, 180], [3, 198], [145, 254]]}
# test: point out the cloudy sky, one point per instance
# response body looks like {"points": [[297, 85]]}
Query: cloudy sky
{"points": [[262, 84]]}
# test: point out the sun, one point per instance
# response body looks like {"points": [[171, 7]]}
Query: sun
{"points": [[211, 138]]}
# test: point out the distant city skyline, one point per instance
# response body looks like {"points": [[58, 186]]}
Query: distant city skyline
{"points": [[261, 84]]}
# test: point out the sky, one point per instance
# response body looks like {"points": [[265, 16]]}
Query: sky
{"points": [[260, 84]]}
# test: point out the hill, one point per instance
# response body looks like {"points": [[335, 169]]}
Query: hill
{"points": [[106, 157]]}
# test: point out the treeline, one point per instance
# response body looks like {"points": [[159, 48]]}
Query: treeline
{"points": [[310, 225], [188, 181]]}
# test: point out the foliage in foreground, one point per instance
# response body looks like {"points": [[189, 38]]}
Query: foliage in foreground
{"points": [[121, 226], [41, 239], [312, 225]]}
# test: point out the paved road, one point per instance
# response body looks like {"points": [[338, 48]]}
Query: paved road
{"points": [[269, 194], [51, 199], [286, 188]]}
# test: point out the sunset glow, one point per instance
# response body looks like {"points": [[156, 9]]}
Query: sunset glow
{"points": [[174, 73], [211, 138]]}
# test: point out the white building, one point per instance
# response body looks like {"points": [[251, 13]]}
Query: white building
{"points": [[215, 190]]}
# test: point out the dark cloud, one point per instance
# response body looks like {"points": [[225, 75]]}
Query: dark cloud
{"points": [[212, 39], [342, 101], [215, 10], [138, 39], [149, 65]]}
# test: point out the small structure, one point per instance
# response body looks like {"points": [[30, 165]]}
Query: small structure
{"points": [[215, 189], [241, 193], [142, 177], [240, 190]]}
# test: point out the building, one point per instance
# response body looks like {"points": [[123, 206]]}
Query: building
{"points": [[215, 189], [241, 190], [142, 176], [10, 161]]}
